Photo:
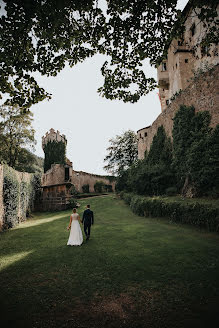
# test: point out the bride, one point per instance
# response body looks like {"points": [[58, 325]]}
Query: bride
{"points": [[75, 237]]}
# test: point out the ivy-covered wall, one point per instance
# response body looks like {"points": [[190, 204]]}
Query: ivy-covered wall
{"points": [[55, 153], [18, 191]]}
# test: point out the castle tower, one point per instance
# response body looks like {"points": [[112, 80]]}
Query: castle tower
{"points": [[54, 147]]}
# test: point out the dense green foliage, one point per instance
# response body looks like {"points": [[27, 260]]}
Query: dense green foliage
{"points": [[99, 186], [16, 133], [40, 36], [85, 188], [72, 203], [197, 214], [18, 196], [10, 198], [188, 165], [122, 152], [196, 152], [55, 153], [154, 174], [29, 162], [134, 272], [74, 192]]}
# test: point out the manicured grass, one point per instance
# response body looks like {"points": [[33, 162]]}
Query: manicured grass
{"points": [[134, 272]]}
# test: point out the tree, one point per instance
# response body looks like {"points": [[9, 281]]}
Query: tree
{"points": [[122, 152], [44, 36], [15, 134]]}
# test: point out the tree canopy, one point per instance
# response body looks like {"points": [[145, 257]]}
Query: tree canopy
{"points": [[122, 152], [44, 36], [15, 134]]}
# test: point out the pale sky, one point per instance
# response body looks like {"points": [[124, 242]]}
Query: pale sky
{"points": [[87, 120]]}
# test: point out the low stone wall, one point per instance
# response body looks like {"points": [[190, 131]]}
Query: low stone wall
{"points": [[80, 178], [202, 93]]}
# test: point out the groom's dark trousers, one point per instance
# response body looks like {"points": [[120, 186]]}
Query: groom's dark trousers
{"points": [[87, 220]]}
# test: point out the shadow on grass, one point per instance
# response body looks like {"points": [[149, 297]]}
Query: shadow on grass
{"points": [[133, 269]]}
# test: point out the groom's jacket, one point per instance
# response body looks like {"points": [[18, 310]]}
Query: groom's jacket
{"points": [[88, 217]]}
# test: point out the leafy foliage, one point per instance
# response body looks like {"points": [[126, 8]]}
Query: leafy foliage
{"points": [[73, 191], [55, 152], [98, 186], [38, 36], [197, 214], [190, 165], [85, 188], [15, 134], [18, 197], [196, 151], [72, 203], [153, 175], [122, 152]]}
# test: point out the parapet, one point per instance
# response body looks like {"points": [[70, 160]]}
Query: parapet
{"points": [[52, 135]]}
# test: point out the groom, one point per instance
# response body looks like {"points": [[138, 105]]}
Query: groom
{"points": [[88, 219]]}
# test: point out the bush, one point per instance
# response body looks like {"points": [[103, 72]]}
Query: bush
{"points": [[200, 215], [72, 203], [108, 188], [98, 187], [85, 188], [74, 193]]}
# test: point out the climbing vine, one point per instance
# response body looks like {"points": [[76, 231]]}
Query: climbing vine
{"points": [[55, 152], [18, 196]]}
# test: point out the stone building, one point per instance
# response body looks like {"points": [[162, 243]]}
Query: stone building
{"points": [[185, 56], [188, 76], [58, 181]]}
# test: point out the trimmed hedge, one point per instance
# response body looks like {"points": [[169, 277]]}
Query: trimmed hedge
{"points": [[200, 215]]}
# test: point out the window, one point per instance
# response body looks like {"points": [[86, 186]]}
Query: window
{"points": [[140, 135], [186, 60], [193, 29], [179, 43], [66, 173], [164, 66], [167, 102], [176, 65], [145, 134]]}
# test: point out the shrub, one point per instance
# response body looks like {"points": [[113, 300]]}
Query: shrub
{"points": [[85, 188], [72, 203], [73, 192], [108, 188], [98, 187], [200, 215]]}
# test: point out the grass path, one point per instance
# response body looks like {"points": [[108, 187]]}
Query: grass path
{"points": [[134, 272]]}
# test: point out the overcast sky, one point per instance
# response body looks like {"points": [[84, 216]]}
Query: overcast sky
{"points": [[87, 120]]}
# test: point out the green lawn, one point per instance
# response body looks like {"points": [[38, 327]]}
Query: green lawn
{"points": [[134, 272]]}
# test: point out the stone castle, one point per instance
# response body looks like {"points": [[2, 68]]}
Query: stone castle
{"points": [[188, 76], [57, 182]]}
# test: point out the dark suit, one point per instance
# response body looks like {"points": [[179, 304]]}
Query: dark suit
{"points": [[87, 220]]}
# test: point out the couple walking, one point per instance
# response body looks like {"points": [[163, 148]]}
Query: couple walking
{"points": [[76, 237]]}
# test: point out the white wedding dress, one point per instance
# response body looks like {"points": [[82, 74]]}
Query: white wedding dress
{"points": [[75, 237]]}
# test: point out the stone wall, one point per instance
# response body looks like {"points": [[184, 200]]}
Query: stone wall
{"points": [[56, 175], [202, 93], [80, 178]]}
